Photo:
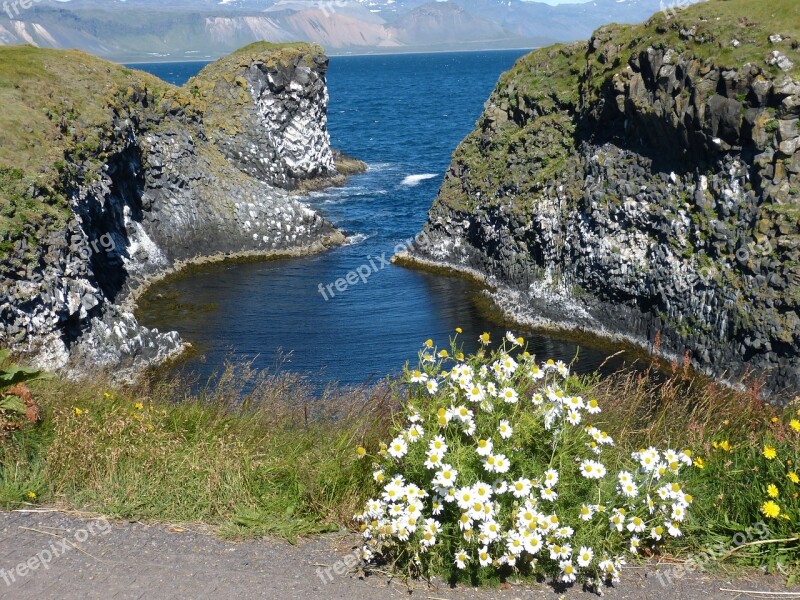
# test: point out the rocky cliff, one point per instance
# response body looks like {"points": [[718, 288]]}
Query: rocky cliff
{"points": [[645, 184], [122, 176]]}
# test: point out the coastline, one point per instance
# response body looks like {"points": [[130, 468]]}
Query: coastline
{"points": [[180, 268], [506, 309], [328, 53], [243, 256]]}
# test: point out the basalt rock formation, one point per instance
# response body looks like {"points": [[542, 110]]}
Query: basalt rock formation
{"points": [[134, 176], [645, 184]]}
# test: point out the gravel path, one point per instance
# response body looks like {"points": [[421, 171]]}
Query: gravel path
{"points": [[46, 555]]}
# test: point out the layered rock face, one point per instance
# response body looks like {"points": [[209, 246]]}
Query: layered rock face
{"points": [[642, 186], [170, 179], [281, 116]]}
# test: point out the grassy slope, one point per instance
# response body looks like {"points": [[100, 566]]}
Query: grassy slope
{"points": [[274, 459], [55, 103], [277, 459]]}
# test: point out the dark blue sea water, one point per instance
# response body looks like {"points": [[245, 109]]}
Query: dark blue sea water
{"points": [[404, 115]]}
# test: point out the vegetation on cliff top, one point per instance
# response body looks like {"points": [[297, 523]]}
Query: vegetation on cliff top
{"points": [[556, 82], [57, 122], [56, 104]]}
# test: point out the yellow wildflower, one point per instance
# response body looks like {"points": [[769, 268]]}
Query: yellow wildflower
{"points": [[106, 395], [699, 463], [795, 424], [725, 445], [774, 419], [138, 406], [78, 411], [793, 477], [459, 330], [31, 495], [770, 509], [772, 490], [769, 452]]}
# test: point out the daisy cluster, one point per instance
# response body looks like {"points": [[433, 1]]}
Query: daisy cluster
{"points": [[496, 466]]}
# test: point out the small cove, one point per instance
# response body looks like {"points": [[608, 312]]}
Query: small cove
{"points": [[404, 115]]}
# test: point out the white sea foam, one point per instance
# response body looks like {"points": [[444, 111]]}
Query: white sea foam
{"points": [[357, 238], [413, 180]]}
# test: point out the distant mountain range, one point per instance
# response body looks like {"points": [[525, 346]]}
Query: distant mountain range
{"points": [[128, 30]]}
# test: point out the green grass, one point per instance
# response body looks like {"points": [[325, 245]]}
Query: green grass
{"points": [[275, 459]]}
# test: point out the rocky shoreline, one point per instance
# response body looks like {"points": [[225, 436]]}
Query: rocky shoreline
{"points": [[206, 172], [639, 187]]}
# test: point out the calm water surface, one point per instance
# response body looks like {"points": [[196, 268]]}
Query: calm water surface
{"points": [[404, 115]]}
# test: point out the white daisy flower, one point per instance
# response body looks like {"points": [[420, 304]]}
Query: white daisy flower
{"points": [[464, 497], [585, 556], [521, 488], [501, 463], [398, 447], [550, 478], [415, 433], [591, 469], [549, 494], [461, 559], [505, 429], [536, 373], [562, 369], [533, 544], [500, 486], [491, 530], [673, 529], [438, 444], [483, 491], [636, 524], [484, 447], [657, 532], [475, 393], [514, 543], [418, 377], [509, 395], [574, 402], [446, 476]]}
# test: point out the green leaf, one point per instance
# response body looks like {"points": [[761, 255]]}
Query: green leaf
{"points": [[14, 375], [13, 404]]}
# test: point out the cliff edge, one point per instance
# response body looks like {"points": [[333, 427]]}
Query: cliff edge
{"points": [[646, 185], [109, 176]]}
